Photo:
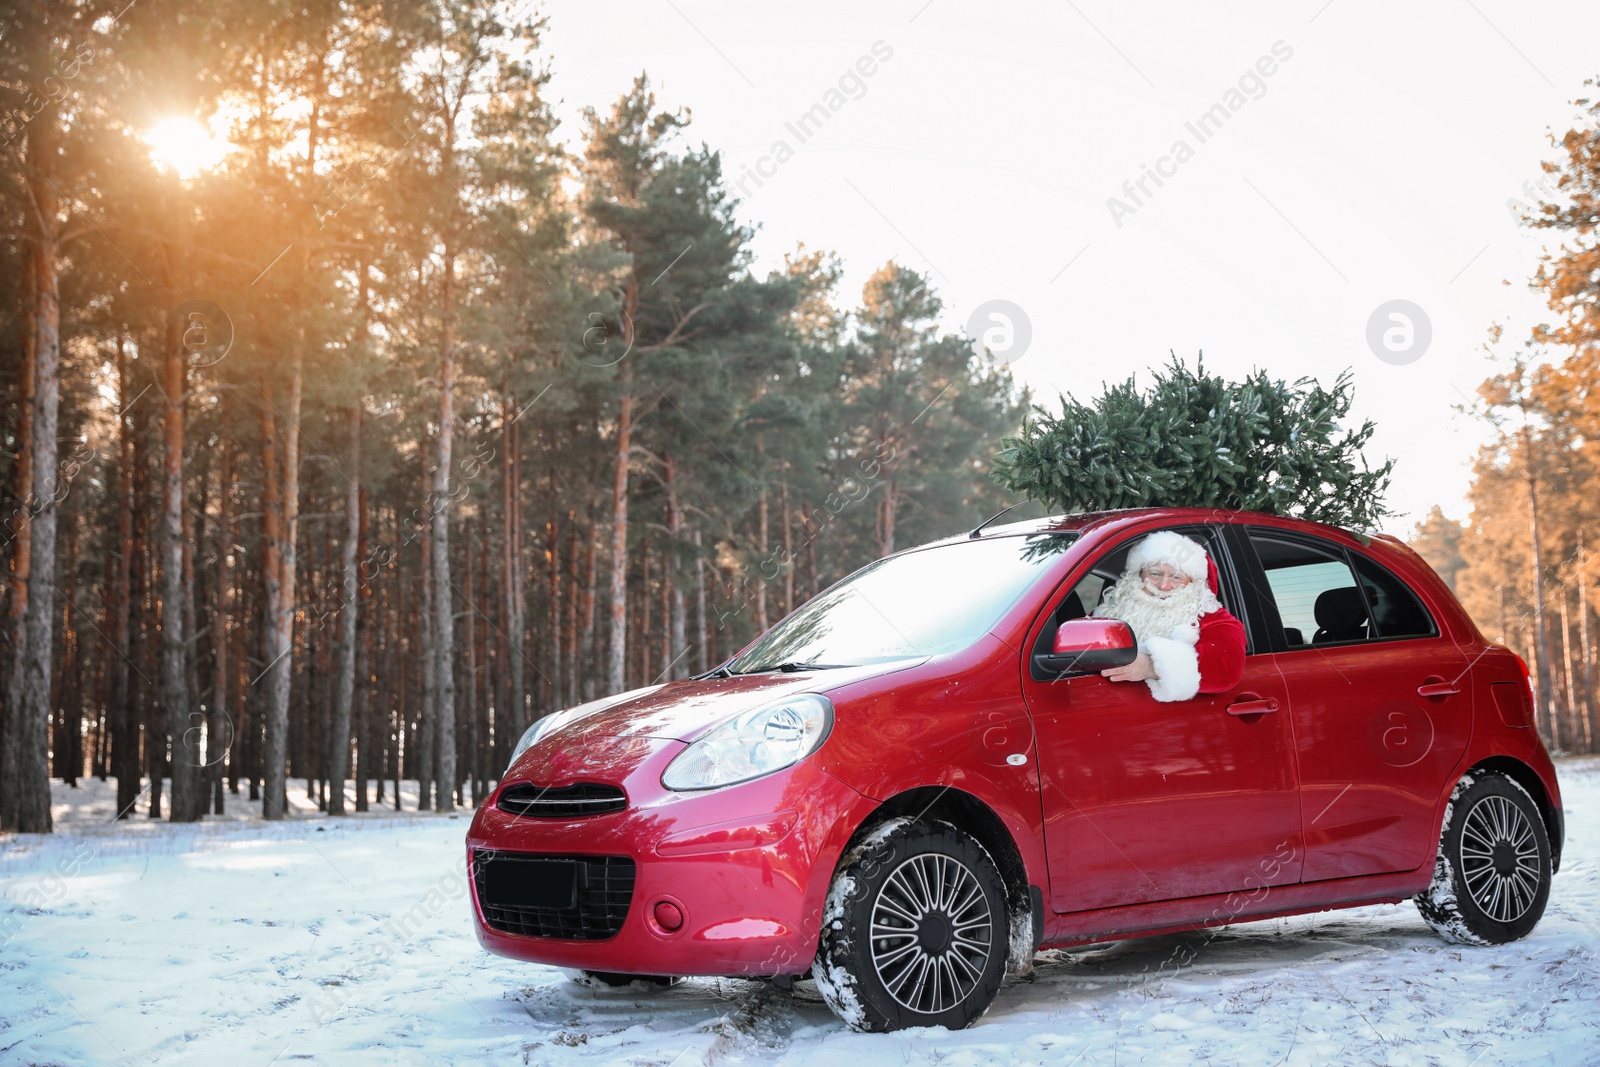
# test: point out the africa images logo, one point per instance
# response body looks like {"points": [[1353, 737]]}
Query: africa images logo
{"points": [[1252, 85], [851, 85]]}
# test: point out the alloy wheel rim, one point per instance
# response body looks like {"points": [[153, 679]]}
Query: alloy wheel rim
{"points": [[931, 933], [1500, 865]]}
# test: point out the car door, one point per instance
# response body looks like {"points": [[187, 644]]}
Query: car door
{"points": [[1380, 699], [1145, 800]]}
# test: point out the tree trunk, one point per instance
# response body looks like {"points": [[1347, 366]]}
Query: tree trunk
{"points": [[361, 705], [469, 654], [888, 512], [571, 582], [762, 621], [67, 732], [219, 726], [701, 637], [141, 755], [339, 733], [399, 667], [590, 669], [617, 663], [1587, 649], [788, 549], [642, 671], [443, 601], [616, 667], [243, 730], [489, 665], [557, 599], [675, 655], [27, 732], [20, 529], [280, 524], [813, 579], [274, 649], [428, 710], [194, 533], [1570, 704], [516, 711], [174, 642], [1541, 630]]}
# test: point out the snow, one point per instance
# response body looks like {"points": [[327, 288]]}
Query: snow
{"points": [[835, 984], [349, 941], [1441, 913], [1019, 947]]}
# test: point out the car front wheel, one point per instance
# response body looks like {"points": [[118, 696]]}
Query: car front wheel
{"points": [[1491, 880], [915, 929]]}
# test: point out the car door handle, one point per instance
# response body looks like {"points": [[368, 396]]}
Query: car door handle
{"points": [[1437, 687], [1250, 704]]}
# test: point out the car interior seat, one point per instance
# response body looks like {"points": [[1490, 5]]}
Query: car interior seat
{"points": [[1071, 608], [1341, 616]]}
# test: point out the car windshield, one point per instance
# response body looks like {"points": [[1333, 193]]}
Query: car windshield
{"points": [[923, 603]]}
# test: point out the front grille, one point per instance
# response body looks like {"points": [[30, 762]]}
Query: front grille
{"points": [[563, 802], [604, 891]]}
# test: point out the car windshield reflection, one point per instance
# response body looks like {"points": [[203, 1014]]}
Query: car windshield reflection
{"points": [[924, 603]]}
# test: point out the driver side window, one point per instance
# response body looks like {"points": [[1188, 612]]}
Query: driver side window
{"points": [[1081, 600]]}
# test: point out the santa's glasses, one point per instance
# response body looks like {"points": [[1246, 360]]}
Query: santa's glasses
{"points": [[1163, 578]]}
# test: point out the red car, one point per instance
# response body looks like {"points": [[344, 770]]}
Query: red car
{"points": [[920, 777]]}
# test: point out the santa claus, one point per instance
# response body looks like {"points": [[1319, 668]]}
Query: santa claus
{"points": [[1188, 642]]}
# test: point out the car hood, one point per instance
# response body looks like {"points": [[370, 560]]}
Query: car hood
{"points": [[683, 710]]}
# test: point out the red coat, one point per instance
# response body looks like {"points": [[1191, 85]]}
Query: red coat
{"points": [[1220, 651]]}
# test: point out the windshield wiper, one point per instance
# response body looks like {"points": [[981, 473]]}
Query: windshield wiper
{"points": [[791, 666]]}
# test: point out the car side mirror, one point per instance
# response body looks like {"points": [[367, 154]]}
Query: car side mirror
{"points": [[1087, 644]]}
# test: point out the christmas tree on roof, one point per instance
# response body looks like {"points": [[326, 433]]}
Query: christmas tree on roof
{"points": [[1197, 440]]}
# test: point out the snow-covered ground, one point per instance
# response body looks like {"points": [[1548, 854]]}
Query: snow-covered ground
{"points": [[245, 944]]}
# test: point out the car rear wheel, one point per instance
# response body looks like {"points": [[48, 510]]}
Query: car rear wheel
{"points": [[613, 980], [915, 930], [1491, 880]]}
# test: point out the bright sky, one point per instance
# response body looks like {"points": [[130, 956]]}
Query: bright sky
{"points": [[1366, 154]]}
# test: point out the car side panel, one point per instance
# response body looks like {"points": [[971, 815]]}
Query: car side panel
{"points": [[957, 722], [1149, 801], [1374, 755]]}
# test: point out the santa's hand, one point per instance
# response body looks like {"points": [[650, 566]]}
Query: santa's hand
{"points": [[1137, 671]]}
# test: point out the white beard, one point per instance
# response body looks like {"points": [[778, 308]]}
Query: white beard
{"points": [[1175, 616]]}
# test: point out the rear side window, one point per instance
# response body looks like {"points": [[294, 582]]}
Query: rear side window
{"points": [[1396, 611], [1315, 591], [1322, 601]]}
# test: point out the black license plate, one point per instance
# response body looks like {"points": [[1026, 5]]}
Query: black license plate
{"points": [[530, 883]]}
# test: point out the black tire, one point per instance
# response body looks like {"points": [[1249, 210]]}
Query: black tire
{"points": [[613, 980], [1491, 880], [915, 931]]}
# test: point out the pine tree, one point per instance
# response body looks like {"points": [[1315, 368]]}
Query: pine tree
{"points": [[1570, 275], [1437, 539]]}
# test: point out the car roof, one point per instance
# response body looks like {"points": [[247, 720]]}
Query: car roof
{"points": [[1085, 521], [1384, 547]]}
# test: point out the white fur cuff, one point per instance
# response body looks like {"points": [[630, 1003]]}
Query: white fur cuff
{"points": [[1177, 667]]}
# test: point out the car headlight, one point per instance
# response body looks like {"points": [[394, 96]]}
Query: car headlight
{"points": [[556, 720], [753, 743]]}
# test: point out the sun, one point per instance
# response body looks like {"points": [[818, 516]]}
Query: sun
{"points": [[182, 145]]}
